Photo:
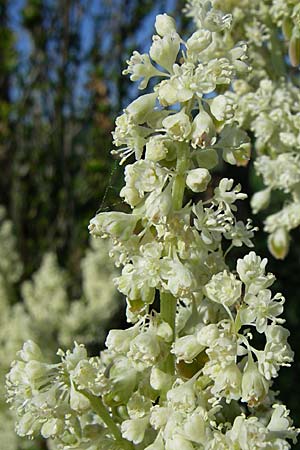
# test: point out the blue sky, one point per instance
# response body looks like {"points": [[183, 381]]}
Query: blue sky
{"points": [[143, 37]]}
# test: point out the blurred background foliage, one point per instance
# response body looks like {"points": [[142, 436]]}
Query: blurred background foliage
{"points": [[60, 89]]}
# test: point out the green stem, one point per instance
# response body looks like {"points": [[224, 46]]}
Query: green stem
{"points": [[179, 182], [168, 309], [168, 313], [277, 58], [168, 303], [99, 408]]}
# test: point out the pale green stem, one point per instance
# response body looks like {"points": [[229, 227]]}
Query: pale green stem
{"points": [[99, 408], [277, 58], [168, 314], [179, 182], [167, 301], [228, 250]]}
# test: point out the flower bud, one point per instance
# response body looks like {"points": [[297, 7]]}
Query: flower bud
{"points": [[164, 330], [287, 28], [35, 370], [294, 50], [145, 349], [208, 334], [203, 130], [78, 402], [52, 428], [25, 426], [198, 179], [186, 348], [158, 205], [30, 351], [194, 428], [199, 41], [278, 243], [164, 24], [222, 108], [159, 380], [182, 397], [119, 340], [130, 195], [141, 107], [260, 200], [117, 224]]}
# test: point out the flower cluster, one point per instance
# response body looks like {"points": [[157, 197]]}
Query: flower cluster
{"points": [[42, 310], [268, 100], [191, 375]]}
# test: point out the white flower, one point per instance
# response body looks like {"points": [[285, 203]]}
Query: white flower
{"points": [[203, 130], [254, 385], [134, 429], [235, 145], [260, 308], [178, 126], [223, 288], [138, 406], [227, 195], [178, 279], [208, 334], [141, 177], [140, 67], [156, 148], [144, 349], [52, 428], [164, 50], [30, 351], [251, 270], [177, 442], [277, 352], [182, 397], [241, 233], [78, 402], [228, 383], [238, 56], [159, 416], [140, 277], [280, 423]]}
